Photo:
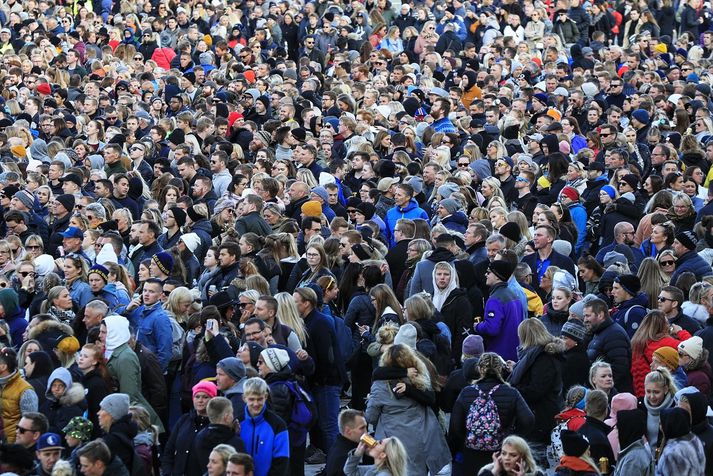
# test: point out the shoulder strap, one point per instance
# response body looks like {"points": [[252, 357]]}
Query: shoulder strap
{"points": [[492, 390], [626, 314]]}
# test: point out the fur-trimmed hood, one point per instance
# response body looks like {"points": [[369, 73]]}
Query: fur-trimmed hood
{"points": [[50, 326], [557, 346], [73, 396]]}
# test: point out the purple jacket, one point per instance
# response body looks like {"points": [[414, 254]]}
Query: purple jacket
{"points": [[503, 313]]}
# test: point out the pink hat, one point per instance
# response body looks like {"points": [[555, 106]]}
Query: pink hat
{"points": [[622, 401], [205, 387]]}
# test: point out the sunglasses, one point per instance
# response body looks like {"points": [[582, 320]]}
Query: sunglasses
{"points": [[667, 263]]}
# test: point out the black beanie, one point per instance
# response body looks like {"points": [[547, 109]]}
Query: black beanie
{"points": [[179, 214]]}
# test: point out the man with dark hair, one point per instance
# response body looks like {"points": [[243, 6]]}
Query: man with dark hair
{"points": [[60, 209], [545, 256], [202, 191], [16, 224], [149, 232], [440, 109], [228, 257], [121, 198], [240, 464], [609, 343], [251, 220], [24, 202], [669, 302], [630, 303], [29, 429], [173, 219], [405, 207], [398, 254]]}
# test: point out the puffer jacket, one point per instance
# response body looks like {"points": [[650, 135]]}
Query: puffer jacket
{"points": [[154, 331], [630, 313], [610, 342], [641, 364], [538, 377], [456, 222], [690, 261], [411, 211]]}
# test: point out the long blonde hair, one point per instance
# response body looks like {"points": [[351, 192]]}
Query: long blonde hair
{"points": [[288, 315], [396, 461]]}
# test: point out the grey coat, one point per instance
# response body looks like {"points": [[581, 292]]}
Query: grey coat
{"points": [[414, 424], [352, 467], [635, 459]]}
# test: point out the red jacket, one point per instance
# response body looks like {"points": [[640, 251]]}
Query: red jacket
{"points": [[641, 364]]}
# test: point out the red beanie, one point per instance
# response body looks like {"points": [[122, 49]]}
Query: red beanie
{"points": [[45, 89]]}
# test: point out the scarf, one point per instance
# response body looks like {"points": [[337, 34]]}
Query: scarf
{"points": [[653, 418], [576, 463], [63, 316]]}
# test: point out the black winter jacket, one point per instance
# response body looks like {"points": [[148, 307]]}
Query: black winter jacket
{"points": [[515, 414], [96, 389], [611, 343], [457, 314], [204, 442], [174, 460]]}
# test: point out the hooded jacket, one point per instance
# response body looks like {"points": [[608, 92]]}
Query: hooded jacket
{"points": [[502, 316], [692, 262], [14, 316], [410, 211], [422, 279], [71, 404], [701, 427], [635, 456]]}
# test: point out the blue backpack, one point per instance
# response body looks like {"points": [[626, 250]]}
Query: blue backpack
{"points": [[304, 411], [348, 346]]}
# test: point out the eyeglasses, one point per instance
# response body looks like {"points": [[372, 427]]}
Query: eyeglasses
{"points": [[667, 263], [24, 430]]}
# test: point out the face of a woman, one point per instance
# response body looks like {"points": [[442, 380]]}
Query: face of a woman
{"points": [[486, 190], [603, 379], [215, 465], [200, 402], [510, 458], [171, 195], [209, 261], [497, 219], [655, 393], [604, 198], [244, 354], [658, 235], [64, 300], [443, 278], [542, 219], [313, 257], [667, 263], [279, 169], [245, 247], [86, 360], [270, 217], [572, 174], [586, 274], [144, 273], [680, 208], [29, 367], [560, 302], [43, 196], [698, 176]]}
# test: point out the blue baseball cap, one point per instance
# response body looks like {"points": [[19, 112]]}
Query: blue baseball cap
{"points": [[49, 441], [73, 232]]}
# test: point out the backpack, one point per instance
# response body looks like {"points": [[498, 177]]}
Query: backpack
{"points": [[304, 411], [348, 346], [482, 424], [177, 334]]}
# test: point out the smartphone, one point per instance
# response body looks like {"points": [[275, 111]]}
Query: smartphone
{"points": [[212, 324]]}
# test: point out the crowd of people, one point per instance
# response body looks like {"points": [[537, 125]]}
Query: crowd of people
{"points": [[245, 237]]}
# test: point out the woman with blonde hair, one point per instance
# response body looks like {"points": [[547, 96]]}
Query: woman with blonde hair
{"points": [[390, 459], [514, 459], [538, 375], [288, 315], [659, 392], [407, 415], [180, 305], [653, 333], [490, 188], [652, 280]]}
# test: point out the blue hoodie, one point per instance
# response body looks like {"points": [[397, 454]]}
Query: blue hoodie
{"points": [[410, 211]]}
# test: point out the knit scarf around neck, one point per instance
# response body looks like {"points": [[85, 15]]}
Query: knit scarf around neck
{"points": [[653, 418]]}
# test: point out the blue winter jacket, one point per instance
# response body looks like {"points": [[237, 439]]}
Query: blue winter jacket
{"points": [[267, 441], [153, 329], [629, 314], [503, 314], [410, 211]]}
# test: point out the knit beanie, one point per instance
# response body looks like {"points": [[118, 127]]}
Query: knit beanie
{"points": [[116, 405], [101, 271], [232, 366], [574, 329], [693, 347], [511, 231], [687, 239], [406, 336], [311, 208], [179, 215], [668, 356], [67, 201], [630, 283], [206, 387], [164, 261], [450, 205], [573, 444], [275, 359], [26, 198], [473, 346]]}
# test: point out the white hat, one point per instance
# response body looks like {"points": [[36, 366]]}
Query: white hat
{"points": [[693, 347], [191, 240]]}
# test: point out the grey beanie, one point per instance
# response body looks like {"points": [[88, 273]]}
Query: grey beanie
{"points": [[577, 309], [447, 189], [450, 205], [613, 257], [116, 405], [406, 336], [26, 198], [232, 366]]}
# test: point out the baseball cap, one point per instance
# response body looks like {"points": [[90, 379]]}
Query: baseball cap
{"points": [[49, 441], [72, 232]]}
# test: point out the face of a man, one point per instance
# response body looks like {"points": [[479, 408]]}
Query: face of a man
{"points": [[25, 436], [152, 293], [236, 470], [222, 380], [225, 258], [48, 458], [619, 294]]}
